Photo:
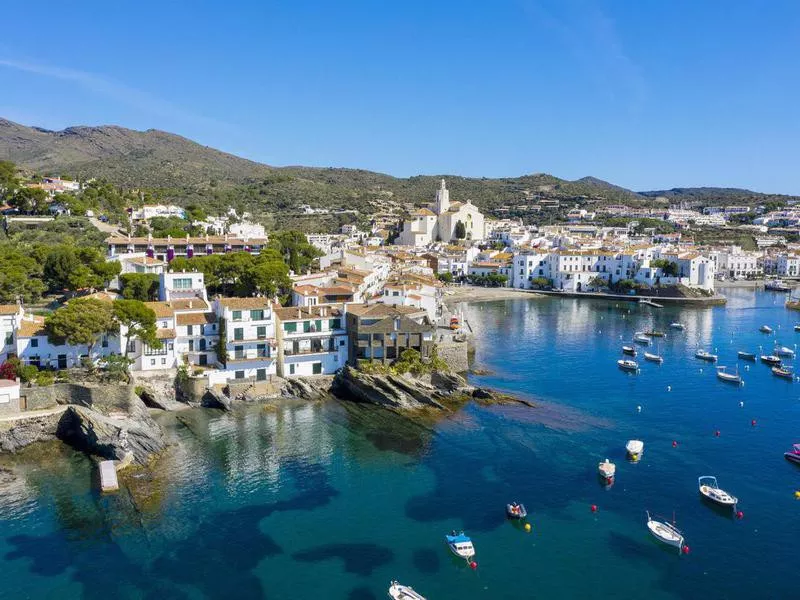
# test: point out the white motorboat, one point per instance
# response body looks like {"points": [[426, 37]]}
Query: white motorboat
{"points": [[783, 351], [607, 470], [640, 338], [460, 545], [678, 326], [653, 357], [628, 365], [665, 532], [765, 329], [709, 489], [398, 591], [635, 448], [705, 355], [723, 375]]}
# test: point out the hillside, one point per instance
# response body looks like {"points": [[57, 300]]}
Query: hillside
{"points": [[182, 171]]}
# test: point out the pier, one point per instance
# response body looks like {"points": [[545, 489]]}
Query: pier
{"points": [[108, 476]]}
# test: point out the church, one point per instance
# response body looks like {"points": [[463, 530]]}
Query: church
{"points": [[439, 223]]}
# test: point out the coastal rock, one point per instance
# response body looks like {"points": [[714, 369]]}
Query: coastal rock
{"points": [[393, 391]]}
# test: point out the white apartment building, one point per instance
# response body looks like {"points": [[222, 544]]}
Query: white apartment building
{"points": [[312, 340]]}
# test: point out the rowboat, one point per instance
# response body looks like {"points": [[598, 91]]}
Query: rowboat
{"points": [[771, 359], [708, 487], [607, 470], [398, 591], [628, 365], [746, 356], [653, 357], [635, 448], [629, 350], [665, 532], [705, 355], [729, 377], [785, 372]]}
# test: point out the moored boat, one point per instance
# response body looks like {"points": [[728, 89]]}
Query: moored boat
{"points": [[607, 470], [665, 532], [746, 356], [634, 448], [628, 365], [793, 455], [460, 545], [783, 372], [653, 357], [770, 359], [641, 338], [398, 591], [708, 487], [629, 350], [705, 355], [765, 329], [678, 326], [516, 510], [723, 375]]}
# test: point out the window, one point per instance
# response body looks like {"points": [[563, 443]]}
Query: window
{"points": [[238, 333], [34, 343], [257, 315], [239, 374], [261, 332], [237, 315], [189, 330], [184, 283], [290, 327]]}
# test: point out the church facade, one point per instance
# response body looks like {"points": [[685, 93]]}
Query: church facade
{"points": [[439, 223]]}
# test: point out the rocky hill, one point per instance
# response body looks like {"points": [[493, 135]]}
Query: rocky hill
{"points": [[184, 171]]}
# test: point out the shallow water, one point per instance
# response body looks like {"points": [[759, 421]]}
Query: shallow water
{"points": [[333, 501]]}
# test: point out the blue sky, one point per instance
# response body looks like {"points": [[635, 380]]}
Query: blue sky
{"points": [[643, 93]]}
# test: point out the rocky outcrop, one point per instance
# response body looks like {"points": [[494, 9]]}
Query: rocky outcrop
{"points": [[395, 391]]}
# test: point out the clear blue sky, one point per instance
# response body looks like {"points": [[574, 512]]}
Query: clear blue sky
{"points": [[643, 93]]}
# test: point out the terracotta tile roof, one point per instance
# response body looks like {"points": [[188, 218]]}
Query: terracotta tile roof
{"points": [[34, 328], [195, 318], [9, 309], [165, 334], [245, 303]]}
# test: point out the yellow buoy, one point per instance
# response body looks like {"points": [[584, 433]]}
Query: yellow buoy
{"points": [[528, 525]]}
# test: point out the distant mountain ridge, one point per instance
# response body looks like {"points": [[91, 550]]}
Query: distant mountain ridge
{"points": [[188, 170]]}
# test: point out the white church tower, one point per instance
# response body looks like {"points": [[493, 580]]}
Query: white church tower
{"points": [[442, 204]]}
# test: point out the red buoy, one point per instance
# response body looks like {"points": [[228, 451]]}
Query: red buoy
{"points": [[716, 433], [473, 565], [739, 515], [674, 444], [594, 507], [685, 549]]}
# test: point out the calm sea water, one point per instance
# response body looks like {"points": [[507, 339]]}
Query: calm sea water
{"points": [[332, 501]]}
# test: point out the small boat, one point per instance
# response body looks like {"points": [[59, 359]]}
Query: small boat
{"points": [[635, 448], [628, 365], [629, 350], [655, 334], [653, 357], [777, 285], [607, 470], [641, 338], [665, 532], [729, 377], [705, 355], [398, 591], [709, 489], [793, 455], [515, 510], [460, 545], [678, 326], [784, 372], [765, 329], [771, 359], [783, 351], [746, 356]]}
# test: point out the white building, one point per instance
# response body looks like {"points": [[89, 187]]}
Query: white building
{"points": [[438, 223]]}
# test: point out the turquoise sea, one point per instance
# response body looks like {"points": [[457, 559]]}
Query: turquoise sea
{"points": [[333, 501]]}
